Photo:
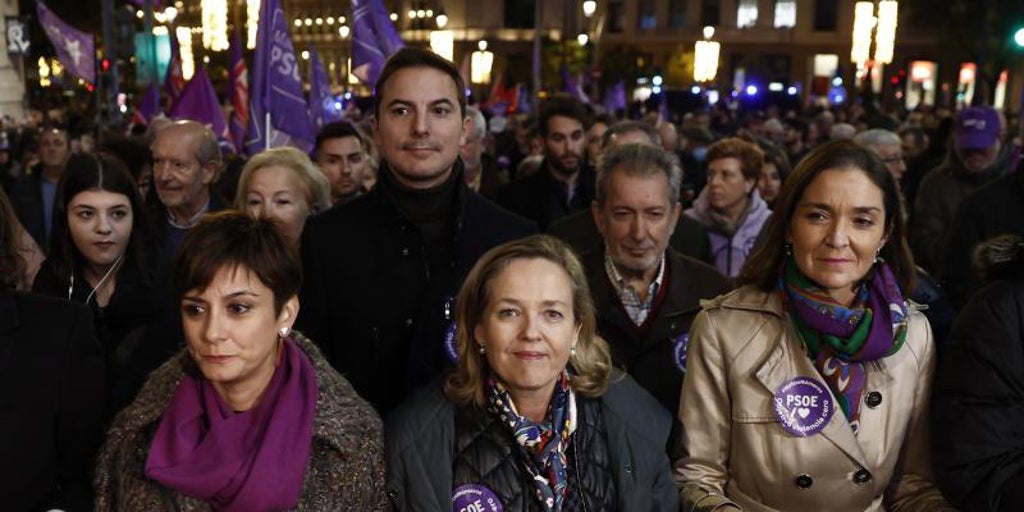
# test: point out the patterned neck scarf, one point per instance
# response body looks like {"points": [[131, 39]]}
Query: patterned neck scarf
{"points": [[841, 340], [545, 442]]}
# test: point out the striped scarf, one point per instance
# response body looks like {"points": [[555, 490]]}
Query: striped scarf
{"points": [[545, 442], [842, 340]]}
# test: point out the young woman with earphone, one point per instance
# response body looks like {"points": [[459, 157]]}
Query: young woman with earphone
{"points": [[102, 255]]}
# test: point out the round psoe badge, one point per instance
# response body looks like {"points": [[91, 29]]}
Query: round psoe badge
{"points": [[450, 349], [803, 406], [475, 498], [679, 345]]}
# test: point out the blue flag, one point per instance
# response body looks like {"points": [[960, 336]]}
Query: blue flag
{"points": [[198, 102], [278, 115], [321, 103], [374, 39], [75, 49]]}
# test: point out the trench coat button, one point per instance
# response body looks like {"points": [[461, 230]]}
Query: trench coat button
{"points": [[804, 481], [629, 468], [861, 476], [873, 399], [405, 251]]}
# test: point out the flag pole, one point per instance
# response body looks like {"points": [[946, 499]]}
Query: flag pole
{"points": [[266, 132]]}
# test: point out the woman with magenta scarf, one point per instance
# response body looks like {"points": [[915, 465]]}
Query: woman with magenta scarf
{"points": [[808, 387], [250, 417]]}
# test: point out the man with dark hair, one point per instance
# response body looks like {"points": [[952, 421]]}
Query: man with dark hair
{"points": [[32, 194], [565, 183], [645, 293], [342, 156], [381, 273]]}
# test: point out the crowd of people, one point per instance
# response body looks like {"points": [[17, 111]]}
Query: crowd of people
{"points": [[443, 307]]}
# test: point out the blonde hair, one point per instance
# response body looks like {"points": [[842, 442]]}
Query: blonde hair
{"points": [[591, 364], [316, 189]]}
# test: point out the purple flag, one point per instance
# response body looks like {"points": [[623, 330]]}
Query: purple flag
{"points": [[148, 106], [572, 86], [663, 114], [321, 102], [75, 49], [615, 98], [279, 114], [523, 99], [374, 39], [198, 102]]}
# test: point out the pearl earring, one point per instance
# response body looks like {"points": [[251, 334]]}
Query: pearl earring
{"points": [[283, 332], [482, 349]]}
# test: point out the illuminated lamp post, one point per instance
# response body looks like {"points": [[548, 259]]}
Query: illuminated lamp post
{"points": [[706, 52], [868, 29]]}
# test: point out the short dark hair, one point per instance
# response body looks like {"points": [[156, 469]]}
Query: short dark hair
{"points": [[337, 130], [750, 156], [413, 57], [762, 267], [98, 171], [565, 106], [233, 239]]}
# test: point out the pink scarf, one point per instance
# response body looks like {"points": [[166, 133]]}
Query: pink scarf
{"points": [[251, 460]]}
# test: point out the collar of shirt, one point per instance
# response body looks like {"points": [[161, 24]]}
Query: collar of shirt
{"points": [[636, 307]]}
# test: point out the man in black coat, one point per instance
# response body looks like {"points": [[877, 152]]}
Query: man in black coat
{"points": [[34, 193], [996, 208], [564, 184], [645, 294], [381, 271], [51, 368]]}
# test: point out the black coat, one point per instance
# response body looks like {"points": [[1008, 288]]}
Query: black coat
{"points": [[993, 209], [139, 329], [978, 403], [580, 231], [649, 353], [542, 199], [430, 453], [51, 371], [27, 200], [368, 298]]}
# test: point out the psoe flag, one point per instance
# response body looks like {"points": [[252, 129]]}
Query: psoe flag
{"points": [[198, 102], [75, 49], [374, 39], [278, 102]]}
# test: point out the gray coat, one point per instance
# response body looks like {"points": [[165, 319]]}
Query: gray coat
{"points": [[346, 466]]}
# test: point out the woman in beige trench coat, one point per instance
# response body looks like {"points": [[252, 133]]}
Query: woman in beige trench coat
{"points": [[808, 387]]}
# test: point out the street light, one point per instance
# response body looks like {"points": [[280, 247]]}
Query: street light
{"points": [[867, 29], [705, 62], [589, 7], [480, 64], [582, 38]]}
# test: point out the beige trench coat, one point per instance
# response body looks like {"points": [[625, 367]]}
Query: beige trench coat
{"points": [[742, 348]]}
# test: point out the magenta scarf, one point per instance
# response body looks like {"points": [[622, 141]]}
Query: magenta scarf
{"points": [[251, 460]]}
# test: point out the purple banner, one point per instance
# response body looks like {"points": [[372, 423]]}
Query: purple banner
{"points": [[76, 50], [321, 103], [198, 102], [374, 39], [277, 89]]}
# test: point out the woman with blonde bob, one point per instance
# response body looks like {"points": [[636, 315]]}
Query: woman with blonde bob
{"points": [[533, 417], [283, 185]]}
